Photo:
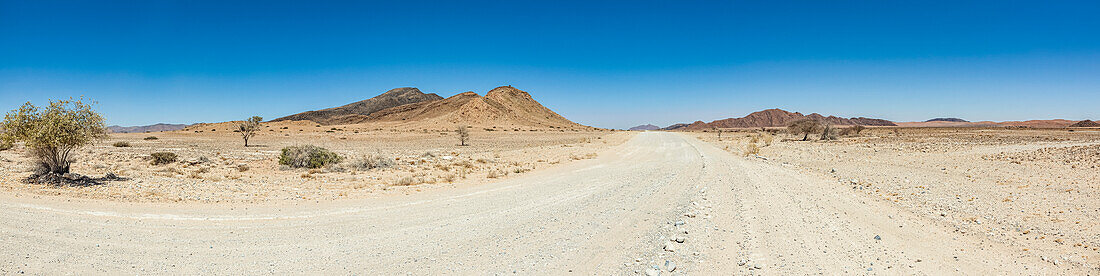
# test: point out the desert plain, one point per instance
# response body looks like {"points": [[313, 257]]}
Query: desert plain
{"points": [[889, 200]]}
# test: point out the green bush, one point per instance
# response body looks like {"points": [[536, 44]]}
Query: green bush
{"points": [[308, 156], [161, 158], [5, 145], [121, 144], [53, 133]]}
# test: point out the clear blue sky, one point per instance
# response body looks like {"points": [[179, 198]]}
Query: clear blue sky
{"points": [[608, 64]]}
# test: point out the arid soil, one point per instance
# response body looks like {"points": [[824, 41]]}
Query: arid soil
{"points": [[661, 203], [1032, 193], [214, 166]]}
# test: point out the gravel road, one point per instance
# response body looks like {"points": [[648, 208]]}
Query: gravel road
{"points": [[661, 202]]}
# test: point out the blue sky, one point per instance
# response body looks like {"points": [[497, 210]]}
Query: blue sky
{"points": [[606, 64]]}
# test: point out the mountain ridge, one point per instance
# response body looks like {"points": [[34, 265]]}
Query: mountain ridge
{"points": [[358, 110], [775, 117]]}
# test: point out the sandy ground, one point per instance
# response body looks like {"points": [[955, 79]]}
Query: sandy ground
{"points": [[214, 166], [1032, 191], [660, 202]]}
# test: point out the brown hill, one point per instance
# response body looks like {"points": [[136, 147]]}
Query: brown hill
{"points": [[357, 111], [778, 118], [1085, 123], [503, 106]]}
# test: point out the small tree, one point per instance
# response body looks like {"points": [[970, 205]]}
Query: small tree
{"points": [[250, 128], [805, 127], [828, 133], [463, 132], [53, 133]]}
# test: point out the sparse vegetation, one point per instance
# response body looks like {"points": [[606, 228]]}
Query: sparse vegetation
{"points": [[161, 158], [768, 138], [406, 181], [150, 138], [751, 149], [6, 145], [121, 144], [308, 156], [828, 132], [53, 133], [370, 162], [852, 131], [804, 127], [463, 132], [249, 128]]}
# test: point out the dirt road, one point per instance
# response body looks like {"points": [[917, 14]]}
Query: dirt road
{"points": [[659, 202]]}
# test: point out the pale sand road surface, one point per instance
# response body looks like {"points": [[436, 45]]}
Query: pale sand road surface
{"points": [[610, 215]]}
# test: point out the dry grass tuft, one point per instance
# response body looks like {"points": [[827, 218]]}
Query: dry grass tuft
{"points": [[161, 158]]}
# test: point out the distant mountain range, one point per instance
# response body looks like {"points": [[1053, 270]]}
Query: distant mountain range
{"points": [[645, 127], [1055, 123], [776, 118], [148, 128]]}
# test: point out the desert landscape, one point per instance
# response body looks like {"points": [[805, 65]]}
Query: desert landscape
{"points": [[647, 138], [774, 193]]}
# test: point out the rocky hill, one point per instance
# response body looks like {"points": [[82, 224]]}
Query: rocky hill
{"points": [[779, 118], [1085, 123], [645, 127], [148, 128], [948, 120], [358, 111], [675, 127], [503, 106]]}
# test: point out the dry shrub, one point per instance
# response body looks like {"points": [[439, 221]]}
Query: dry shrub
{"points": [[370, 162], [150, 138], [308, 156], [465, 164], [121, 144], [161, 158], [5, 145], [243, 167], [751, 149], [852, 131], [405, 181], [580, 157]]}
